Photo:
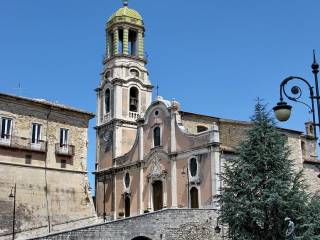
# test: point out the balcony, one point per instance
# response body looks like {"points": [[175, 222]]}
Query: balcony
{"points": [[133, 115], [22, 143], [64, 150]]}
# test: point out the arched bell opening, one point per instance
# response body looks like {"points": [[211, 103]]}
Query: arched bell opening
{"points": [[134, 99]]}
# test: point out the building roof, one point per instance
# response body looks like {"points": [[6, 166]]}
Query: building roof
{"points": [[46, 103], [213, 118], [125, 11]]}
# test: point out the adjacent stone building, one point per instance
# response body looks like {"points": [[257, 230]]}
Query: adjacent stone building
{"points": [[43, 150], [152, 155]]}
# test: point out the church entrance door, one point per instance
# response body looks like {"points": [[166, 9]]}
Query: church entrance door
{"points": [[157, 195], [127, 206], [194, 197]]}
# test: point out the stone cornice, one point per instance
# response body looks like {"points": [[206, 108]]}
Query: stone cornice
{"points": [[120, 82], [136, 58], [116, 121]]}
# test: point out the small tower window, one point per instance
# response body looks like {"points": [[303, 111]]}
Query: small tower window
{"points": [[107, 100], [201, 129], [132, 43], [193, 167], [107, 75], [156, 136], [134, 96], [134, 73]]}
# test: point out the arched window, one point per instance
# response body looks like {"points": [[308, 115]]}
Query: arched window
{"points": [[134, 73], [134, 99], [193, 167], [127, 180], [156, 136], [107, 100], [194, 197]]}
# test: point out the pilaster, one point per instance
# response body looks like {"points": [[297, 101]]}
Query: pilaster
{"points": [[140, 44], [125, 41], [115, 41], [108, 47], [141, 176], [174, 183]]}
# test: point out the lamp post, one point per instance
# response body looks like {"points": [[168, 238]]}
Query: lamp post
{"points": [[283, 111], [185, 171], [13, 195]]}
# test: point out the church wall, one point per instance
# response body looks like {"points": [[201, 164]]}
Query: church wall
{"points": [[231, 133], [100, 198], [143, 102], [134, 188], [128, 139], [125, 102], [311, 173], [191, 123], [105, 154], [182, 182], [205, 177]]}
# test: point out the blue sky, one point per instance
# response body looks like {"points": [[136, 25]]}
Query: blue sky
{"points": [[215, 57]]}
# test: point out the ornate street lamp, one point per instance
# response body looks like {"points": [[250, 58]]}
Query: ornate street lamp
{"points": [[283, 111], [13, 195]]}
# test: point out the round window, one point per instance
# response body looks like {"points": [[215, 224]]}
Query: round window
{"points": [[193, 167], [156, 113]]}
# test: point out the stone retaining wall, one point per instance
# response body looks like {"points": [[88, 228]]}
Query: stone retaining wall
{"points": [[169, 224]]}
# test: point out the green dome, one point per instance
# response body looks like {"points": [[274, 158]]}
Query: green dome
{"points": [[126, 12]]}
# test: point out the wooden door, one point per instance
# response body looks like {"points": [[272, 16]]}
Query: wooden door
{"points": [[157, 195]]}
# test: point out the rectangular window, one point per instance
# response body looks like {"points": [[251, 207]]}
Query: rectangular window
{"points": [[6, 125], [63, 163], [64, 137], [36, 133]]}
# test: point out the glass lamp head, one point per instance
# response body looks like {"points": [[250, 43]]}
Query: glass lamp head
{"points": [[282, 111]]}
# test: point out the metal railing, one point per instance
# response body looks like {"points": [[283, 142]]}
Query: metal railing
{"points": [[23, 143], [133, 115], [64, 149]]}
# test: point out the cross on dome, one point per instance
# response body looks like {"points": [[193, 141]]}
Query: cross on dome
{"points": [[125, 2]]}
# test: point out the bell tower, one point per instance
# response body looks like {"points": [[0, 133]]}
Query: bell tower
{"points": [[124, 91]]}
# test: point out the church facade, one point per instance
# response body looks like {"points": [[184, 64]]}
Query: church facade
{"points": [[150, 155]]}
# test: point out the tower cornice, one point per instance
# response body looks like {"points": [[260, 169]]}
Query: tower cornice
{"points": [[120, 56]]}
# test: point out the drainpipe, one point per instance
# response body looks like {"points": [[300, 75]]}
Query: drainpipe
{"points": [[45, 170]]}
